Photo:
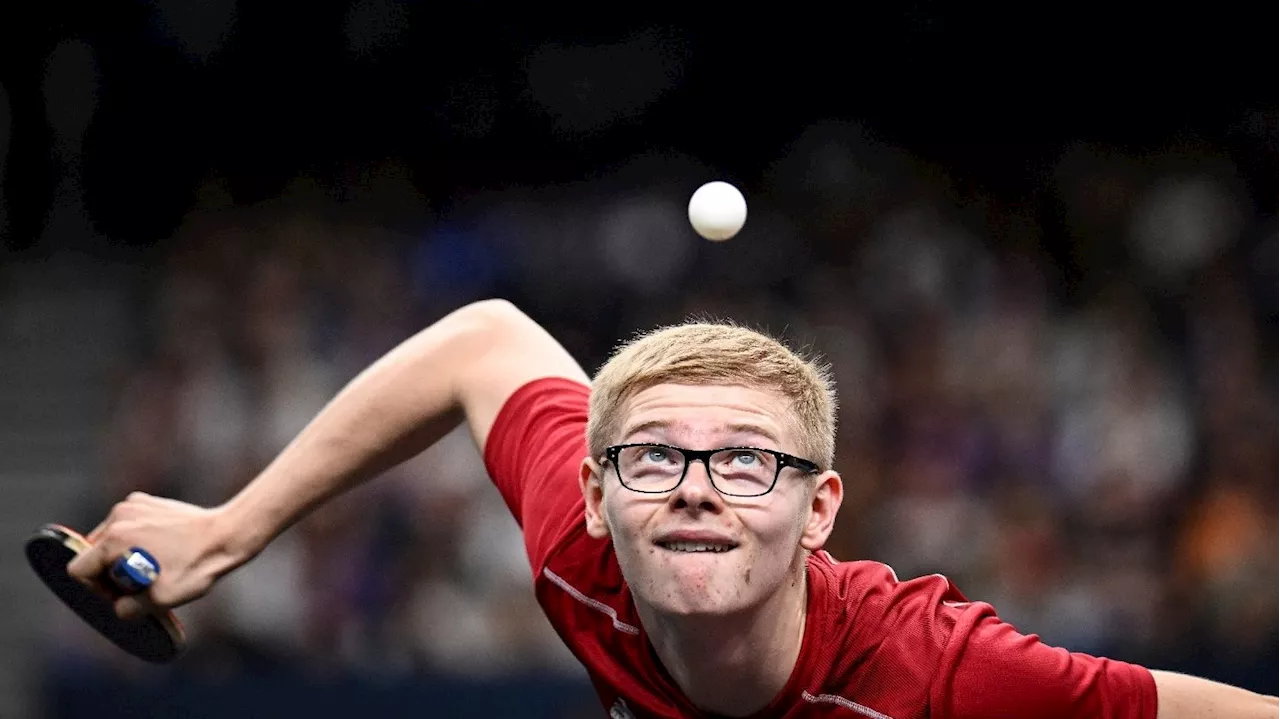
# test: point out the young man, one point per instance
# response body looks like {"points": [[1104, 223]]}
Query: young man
{"points": [[674, 512]]}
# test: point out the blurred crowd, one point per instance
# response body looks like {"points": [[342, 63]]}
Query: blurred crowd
{"points": [[1066, 402]]}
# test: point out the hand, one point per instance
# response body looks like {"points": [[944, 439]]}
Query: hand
{"points": [[186, 540]]}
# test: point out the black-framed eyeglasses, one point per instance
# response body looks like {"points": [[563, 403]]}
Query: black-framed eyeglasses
{"points": [[734, 471]]}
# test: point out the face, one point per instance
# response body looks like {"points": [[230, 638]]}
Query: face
{"points": [[652, 533]]}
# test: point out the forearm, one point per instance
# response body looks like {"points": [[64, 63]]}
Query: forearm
{"points": [[1186, 697], [394, 409]]}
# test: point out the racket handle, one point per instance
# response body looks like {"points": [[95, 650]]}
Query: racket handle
{"points": [[135, 571]]}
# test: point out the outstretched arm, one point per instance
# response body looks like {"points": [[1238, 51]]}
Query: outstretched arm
{"points": [[464, 366], [1180, 696], [1001, 672]]}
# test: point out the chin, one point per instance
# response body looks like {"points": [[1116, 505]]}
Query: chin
{"points": [[693, 586], [678, 598], [694, 607]]}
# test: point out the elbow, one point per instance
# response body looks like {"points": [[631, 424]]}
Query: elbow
{"points": [[476, 329], [493, 313], [496, 306]]}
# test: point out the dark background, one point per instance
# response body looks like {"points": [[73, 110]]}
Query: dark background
{"points": [[992, 95], [261, 198]]}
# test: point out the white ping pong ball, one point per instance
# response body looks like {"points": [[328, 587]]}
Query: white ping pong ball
{"points": [[717, 211]]}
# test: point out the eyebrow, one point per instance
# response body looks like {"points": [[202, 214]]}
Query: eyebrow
{"points": [[734, 428]]}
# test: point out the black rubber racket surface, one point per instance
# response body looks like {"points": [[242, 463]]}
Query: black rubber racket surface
{"points": [[157, 638]]}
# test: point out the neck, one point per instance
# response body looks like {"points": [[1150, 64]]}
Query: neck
{"points": [[734, 664]]}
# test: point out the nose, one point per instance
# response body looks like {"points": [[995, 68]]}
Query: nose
{"points": [[696, 492]]}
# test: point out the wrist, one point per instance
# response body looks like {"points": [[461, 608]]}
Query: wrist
{"points": [[237, 535]]}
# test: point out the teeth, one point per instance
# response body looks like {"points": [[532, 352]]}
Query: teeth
{"points": [[696, 547]]}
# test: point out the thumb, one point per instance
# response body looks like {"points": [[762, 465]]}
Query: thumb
{"points": [[89, 565]]}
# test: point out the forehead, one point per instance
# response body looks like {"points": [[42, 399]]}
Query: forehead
{"points": [[700, 416]]}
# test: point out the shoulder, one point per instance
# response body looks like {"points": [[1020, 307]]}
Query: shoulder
{"points": [[883, 637], [540, 429], [872, 595], [919, 647], [533, 455], [534, 404]]}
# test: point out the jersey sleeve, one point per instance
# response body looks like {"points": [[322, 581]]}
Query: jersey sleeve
{"points": [[533, 454], [992, 670]]}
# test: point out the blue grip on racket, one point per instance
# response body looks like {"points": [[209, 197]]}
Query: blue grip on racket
{"points": [[135, 571]]}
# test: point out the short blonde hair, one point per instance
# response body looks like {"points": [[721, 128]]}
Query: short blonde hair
{"points": [[717, 352]]}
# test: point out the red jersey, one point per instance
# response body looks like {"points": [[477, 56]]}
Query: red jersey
{"points": [[874, 646]]}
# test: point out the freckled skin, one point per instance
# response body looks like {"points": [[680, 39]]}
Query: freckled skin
{"points": [[726, 626], [769, 530]]}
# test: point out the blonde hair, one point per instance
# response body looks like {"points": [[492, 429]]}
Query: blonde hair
{"points": [[717, 352]]}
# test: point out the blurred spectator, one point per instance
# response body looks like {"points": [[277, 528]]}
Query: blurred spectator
{"points": [[1099, 469]]}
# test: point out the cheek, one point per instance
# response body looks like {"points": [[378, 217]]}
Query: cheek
{"points": [[622, 521], [775, 526]]}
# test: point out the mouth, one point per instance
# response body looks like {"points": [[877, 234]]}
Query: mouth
{"points": [[697, 547]]}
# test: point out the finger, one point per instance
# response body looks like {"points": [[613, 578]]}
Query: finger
{"points": [[162, 595], [120, 511], [103, 589], [90, 565], [132, 607], [145, 499], [139, 604], [95, 536]]}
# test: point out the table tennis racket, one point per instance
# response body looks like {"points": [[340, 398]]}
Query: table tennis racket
{"points": [[156, 637]]}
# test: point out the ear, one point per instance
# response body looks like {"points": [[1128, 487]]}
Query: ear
{"points": [[827, 496], [589, 478]]}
